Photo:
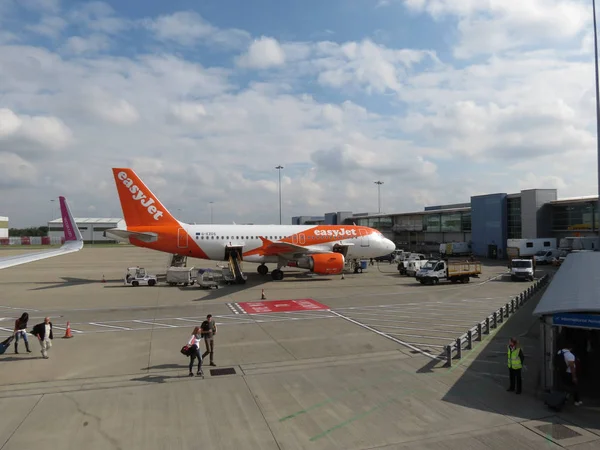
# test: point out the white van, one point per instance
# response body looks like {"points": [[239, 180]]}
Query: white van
{"points": [[546, 256]]}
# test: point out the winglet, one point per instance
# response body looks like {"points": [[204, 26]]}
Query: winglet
{"points": [[70, 228]]}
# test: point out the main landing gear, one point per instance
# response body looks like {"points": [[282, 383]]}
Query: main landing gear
{"points": [[277, 274]]}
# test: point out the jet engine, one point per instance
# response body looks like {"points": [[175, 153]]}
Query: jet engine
{"points": [[323, 263]]}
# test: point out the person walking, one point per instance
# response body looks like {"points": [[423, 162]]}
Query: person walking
{"points": [[43, 331], [21, 332], [515, 365], [194, 352], [209, 329], [569, 373]]}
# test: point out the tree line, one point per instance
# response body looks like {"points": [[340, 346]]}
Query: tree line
{"points": [[31, 231]]}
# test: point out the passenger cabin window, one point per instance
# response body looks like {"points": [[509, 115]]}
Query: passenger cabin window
{"points": [[529, 244]]}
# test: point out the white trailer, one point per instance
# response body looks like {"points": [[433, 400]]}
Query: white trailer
{"points": [[455, 249], [181, 275], [578, 243], [517, 248]]}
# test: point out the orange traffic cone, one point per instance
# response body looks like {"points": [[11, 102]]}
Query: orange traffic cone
{"points": [[262, 295], [68, 332]]}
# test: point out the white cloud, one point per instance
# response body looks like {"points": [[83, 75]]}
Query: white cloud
{"points": [[188, 28], [262, 54], [188, 112], [497, 25], [47, 132], [195, 125], [49, 26], [92, 44], [51, 6], [98, 17]]}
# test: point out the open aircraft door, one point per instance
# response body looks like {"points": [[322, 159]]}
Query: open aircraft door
{"points": [[364, 238], [182, 238]]}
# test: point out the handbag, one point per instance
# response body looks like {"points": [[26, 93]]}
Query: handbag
{"points": [[185, 350]]}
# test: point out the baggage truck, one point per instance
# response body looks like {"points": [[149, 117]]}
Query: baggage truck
{"points": [[455, 249], [443, 270], [181, 275]]}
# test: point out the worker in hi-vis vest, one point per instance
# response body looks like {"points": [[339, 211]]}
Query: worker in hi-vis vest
{"points": [[515, 365]]}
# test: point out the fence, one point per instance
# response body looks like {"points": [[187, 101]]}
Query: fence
{"points": [[32, 240], [491, 322]]}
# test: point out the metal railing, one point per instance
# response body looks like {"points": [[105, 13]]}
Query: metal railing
{"points": [[476, 333]]}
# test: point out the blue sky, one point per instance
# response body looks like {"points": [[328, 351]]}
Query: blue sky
{"points": [[440, 99]]}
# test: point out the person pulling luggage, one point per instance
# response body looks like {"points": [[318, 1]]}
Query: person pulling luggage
{"points": [[21, 332]]}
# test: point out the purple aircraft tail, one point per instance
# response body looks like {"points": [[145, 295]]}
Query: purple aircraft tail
{"points": [[70, 228]]}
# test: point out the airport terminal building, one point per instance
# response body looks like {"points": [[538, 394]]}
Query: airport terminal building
{"points": [[487, 221]]}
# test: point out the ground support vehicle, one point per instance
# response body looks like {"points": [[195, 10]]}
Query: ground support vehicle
{"points": [[454, 271], [137, 276]]}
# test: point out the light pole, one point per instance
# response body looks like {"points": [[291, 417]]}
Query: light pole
{"points": [[52, 204], [211, 216], [379, 183], [279, 169], [597, 101]]}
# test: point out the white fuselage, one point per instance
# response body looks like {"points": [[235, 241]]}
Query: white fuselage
{"points": [[361, 242]]}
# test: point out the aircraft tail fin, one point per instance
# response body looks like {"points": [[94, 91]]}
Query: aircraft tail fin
{"points": [[140, 206], [70, 228]]}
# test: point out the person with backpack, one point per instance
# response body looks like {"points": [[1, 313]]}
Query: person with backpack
{"points": [[567, 368], [516, 359], [43, 331], [21, 332], [193, 351]]}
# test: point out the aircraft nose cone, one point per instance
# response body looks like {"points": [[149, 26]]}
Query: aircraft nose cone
{"points": [[390, 246]]}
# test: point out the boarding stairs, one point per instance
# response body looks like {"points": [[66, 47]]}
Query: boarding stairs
{"points": [[177, 261], [235, 266]]}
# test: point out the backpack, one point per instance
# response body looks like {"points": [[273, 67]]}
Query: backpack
{"points": [[559, 362]]}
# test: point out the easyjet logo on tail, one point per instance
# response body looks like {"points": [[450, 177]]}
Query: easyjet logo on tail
{"points": [[335, 233], [138, 195]]}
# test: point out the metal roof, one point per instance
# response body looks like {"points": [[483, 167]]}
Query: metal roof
{"points": [[90, 220], [566, 201], [575, 287]]}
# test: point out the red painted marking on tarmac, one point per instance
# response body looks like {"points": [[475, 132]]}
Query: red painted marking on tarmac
{"points": [[273, 306]]}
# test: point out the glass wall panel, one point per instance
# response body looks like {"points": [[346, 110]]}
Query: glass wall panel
{"points": [[451, 222]]}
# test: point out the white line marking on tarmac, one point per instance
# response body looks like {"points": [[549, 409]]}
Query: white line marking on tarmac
{"points": [[110, 326], [447, 325], [452, 333], [65, 328], [6, 329], [398, 341], [154, 323], [19, 309]]}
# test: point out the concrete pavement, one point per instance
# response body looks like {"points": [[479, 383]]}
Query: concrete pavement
{"points": [[300, 382]]}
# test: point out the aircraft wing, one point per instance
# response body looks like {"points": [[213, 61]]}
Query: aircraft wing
{"points": [[73, 242], [126, 234], [288, 250]]}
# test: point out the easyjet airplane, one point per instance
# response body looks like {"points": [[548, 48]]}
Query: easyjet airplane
{"points": [[322, 249], [73, 241]]}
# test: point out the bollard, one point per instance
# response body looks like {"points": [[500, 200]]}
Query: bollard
{"points": [[501, 315], [479, 337], [448, 356], [495, 319], [469, 340], [516, 300], [458, 348], [487, 325], [521, 299], [512, 306], [507, 311]]}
